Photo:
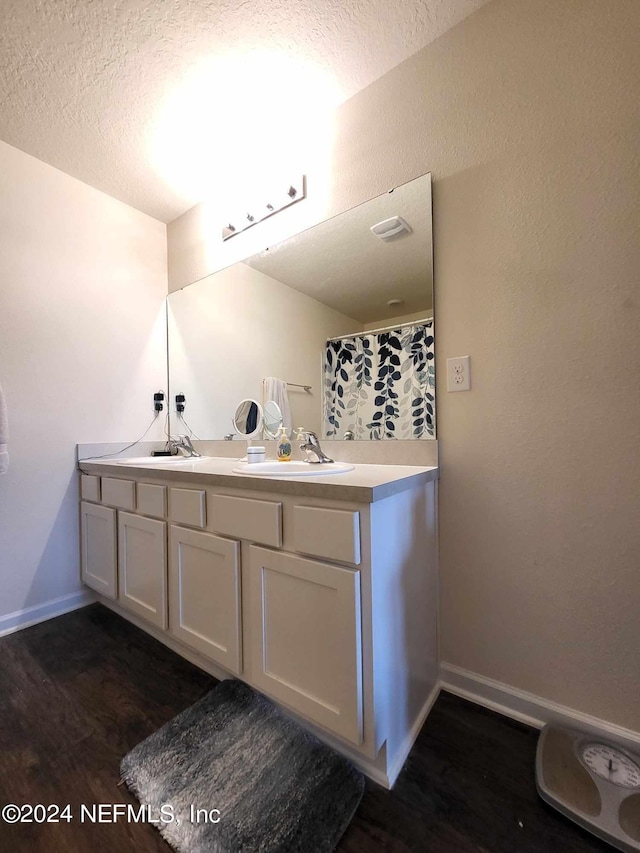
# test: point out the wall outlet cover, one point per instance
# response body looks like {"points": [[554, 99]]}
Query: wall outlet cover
{"points": [[459, 373]]}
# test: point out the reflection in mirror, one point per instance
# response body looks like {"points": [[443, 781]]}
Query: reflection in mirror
{"points": [[381, 385], [272, 419], [247, 420], [341, 313]]}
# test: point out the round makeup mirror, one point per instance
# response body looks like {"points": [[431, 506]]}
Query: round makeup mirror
{"points": [[272, 419], [247, 420]]}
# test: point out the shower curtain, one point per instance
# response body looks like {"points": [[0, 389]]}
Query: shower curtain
{"points": [[381, 385]]}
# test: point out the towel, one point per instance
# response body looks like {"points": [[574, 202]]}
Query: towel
{"points": [[4, 434], [276, 390]]}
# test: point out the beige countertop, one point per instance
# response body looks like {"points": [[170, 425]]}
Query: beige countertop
{"points": [[366, 483]]}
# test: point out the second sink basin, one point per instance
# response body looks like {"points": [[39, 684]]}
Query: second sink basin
{"points": [[160, 460], [293, 469]]}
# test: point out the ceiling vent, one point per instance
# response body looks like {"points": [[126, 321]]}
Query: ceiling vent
{"points": [[389, 229]]}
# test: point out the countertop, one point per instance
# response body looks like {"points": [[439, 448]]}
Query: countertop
{"points": [[365, 484]]}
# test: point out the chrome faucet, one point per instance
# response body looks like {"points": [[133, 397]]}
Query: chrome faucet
{"points": [[311, 446], [183, 443]]}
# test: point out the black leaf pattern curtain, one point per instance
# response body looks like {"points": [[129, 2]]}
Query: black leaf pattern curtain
{"points": [[382, 385]]}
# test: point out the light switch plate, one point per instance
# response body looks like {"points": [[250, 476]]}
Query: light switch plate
{"points": [[459, 373]]}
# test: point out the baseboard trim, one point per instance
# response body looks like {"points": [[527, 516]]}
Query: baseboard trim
{"points": [[374, 773], [21, 619], [527, 707], [403, 753]]}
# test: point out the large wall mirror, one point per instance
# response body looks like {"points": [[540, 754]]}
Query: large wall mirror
{"points": [[335, 323]]}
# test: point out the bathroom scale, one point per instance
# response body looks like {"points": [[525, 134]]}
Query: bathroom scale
{"points": [[592, 781]]}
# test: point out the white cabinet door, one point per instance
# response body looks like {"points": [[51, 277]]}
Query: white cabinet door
{"points": [[98, 548], [306, 638], [204, 573], [142, 567]]}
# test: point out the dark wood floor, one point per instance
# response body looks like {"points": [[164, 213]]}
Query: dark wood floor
{"points": [[76, 693]]}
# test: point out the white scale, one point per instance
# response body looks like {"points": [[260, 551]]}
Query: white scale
{"points": [[593, 782]]}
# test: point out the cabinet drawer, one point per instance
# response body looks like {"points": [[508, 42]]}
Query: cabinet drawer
{"points": [[243, 518], [330, 533], [152, 500], [187, 506], [119, 493], [90, 488]]}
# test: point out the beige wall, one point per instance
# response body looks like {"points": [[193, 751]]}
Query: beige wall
{"points": [[528, 116], [82, 349]]}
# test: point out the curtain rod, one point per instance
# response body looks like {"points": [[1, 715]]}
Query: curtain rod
{"points": [[382, 329]]}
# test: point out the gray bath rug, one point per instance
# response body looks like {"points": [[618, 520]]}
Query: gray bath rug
{"points": [[276, 788]]}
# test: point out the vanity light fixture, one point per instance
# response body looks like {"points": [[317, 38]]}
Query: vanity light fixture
{"points": [[283, 196], [391, 228]]}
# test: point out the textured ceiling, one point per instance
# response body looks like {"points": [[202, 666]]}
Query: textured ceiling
{"points": [[83, 82], [342, 264]]}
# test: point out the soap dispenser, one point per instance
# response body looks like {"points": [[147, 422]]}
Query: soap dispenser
{"points": [[284, 446]]}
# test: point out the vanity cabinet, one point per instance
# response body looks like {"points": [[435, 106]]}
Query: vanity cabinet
{"points": [[323, 599], [142, 567], [204, 581]]}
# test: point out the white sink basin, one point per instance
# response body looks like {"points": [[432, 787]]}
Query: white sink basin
{"points": [[161, 460], [293, 469]]}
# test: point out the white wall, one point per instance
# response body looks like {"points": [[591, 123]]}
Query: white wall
{"points": [[527, 114], [82, 349], [231, 330]]}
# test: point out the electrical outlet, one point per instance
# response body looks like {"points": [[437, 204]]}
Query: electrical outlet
{"points": [[158, 400], [459, 373]]}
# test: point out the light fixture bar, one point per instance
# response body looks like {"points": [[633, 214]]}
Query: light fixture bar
{"points": [[284, 196]]}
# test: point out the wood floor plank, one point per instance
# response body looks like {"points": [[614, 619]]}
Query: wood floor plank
{"points": [[79, 691]]}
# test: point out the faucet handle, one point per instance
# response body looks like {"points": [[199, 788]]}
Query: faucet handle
{"points": [[301, 434], [183, 442]]}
